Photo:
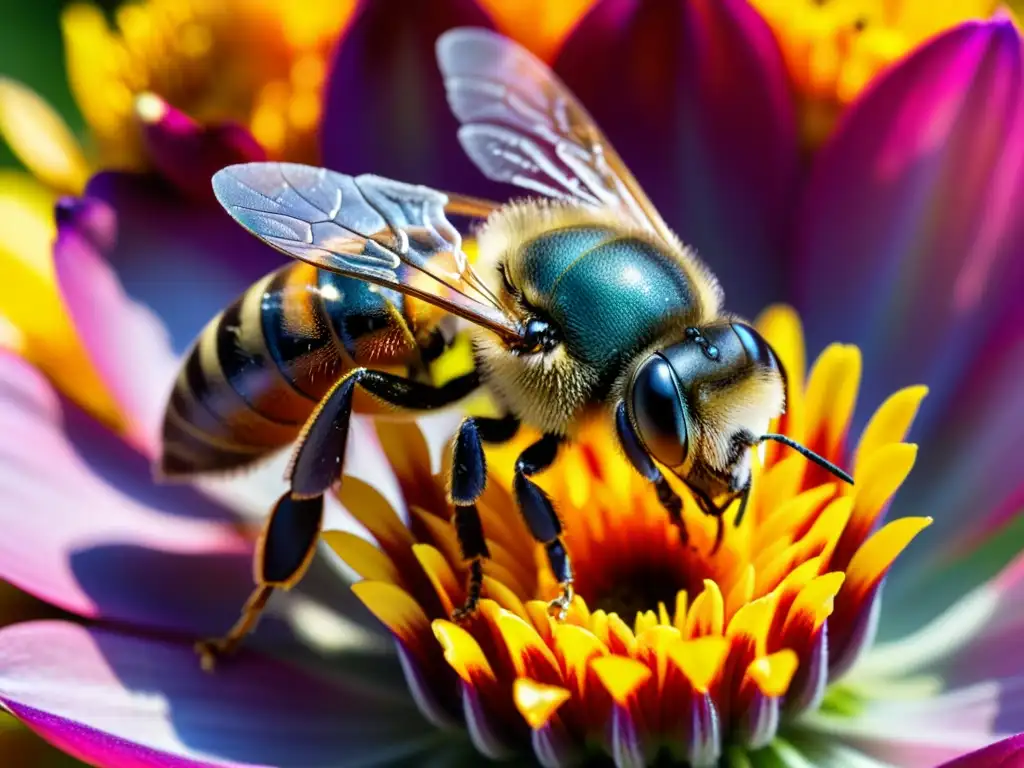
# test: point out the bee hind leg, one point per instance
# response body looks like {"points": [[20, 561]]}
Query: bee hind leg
{"points": [[289, 538], [469, 478], [539, 515]]}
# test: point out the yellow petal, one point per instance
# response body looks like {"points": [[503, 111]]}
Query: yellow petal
{"points": [[621, 676], [525, 647], [439, 571], [882, 475], [889, 424], [31, 301], [362, 556], [878, 553], [780, 325], [539, 25], [707, 614], [40, 138], [644, 621], [504, 597], [816, 600], [679, 617], [753, 621], [537, 702], [773, 673], [394, 607], [656, 641], [462, 651], [577, 646], [700, 660], [366, 504], [832, 393], [795, 513], [742, 591]]}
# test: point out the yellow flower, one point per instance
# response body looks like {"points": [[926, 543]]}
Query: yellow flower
{"points": [[665, 643], [835, 48]]}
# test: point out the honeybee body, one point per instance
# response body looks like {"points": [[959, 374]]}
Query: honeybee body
{"points": [[259, 369]]}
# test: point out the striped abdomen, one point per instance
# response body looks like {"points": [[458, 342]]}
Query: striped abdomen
{"points": [[259, 369]]}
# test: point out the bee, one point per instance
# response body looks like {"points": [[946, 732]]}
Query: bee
{"points": [[581, 304]]}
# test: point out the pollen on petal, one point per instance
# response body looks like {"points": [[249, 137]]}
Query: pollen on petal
{"points": [[362, 556], [462, 651], [394, 607], [538, 702], [620, 675], [772, 674], [700, 660], [889, 424], [875, 556]]}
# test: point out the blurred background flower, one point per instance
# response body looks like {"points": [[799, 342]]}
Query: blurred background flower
{"points": [[832, 155]]}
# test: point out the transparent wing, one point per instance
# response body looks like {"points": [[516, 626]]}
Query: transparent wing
{"points": [[522, 125], [375, 229]]}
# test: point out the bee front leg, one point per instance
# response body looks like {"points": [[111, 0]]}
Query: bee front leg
{"points": [[540, 517], [469, 478], [288, 542], [643, 464]]}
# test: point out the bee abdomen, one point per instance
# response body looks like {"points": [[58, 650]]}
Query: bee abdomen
{"points": [[260, 368]]}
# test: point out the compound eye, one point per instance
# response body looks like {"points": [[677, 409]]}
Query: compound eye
{"points": [[658, 412]]}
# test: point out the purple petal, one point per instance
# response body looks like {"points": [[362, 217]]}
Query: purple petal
{"points": [[184, 260], [1007, 753], [386, 110], [694, 97], [909, 241], [86, 529], [127, 702], [188, 154], [125, 341]]}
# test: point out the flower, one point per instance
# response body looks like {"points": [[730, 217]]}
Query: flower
{"points": [[834, 49], [900, 241], [666, 646]]}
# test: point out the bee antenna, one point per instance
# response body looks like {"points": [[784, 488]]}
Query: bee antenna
{"points": [[821, 461]]}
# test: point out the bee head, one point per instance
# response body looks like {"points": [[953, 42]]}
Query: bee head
{"points": [[698, 404]]}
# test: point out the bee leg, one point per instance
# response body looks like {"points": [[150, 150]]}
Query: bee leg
{"points": [[469, 478], [540, 517], [288, 542], [643, 464]]}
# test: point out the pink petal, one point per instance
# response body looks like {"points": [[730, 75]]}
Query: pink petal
{"points": [[1008, 753], [127, 702], [126, 342], [86, 529]]}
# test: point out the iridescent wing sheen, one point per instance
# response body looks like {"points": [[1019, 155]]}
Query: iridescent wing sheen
{"points": [[385, 232], [522, 125]]}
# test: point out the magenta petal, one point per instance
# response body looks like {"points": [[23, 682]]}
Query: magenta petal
{"points": [[386, 110], [1008, 753], [187, 153], [694, 96], [126, 702], [86, 529], [125, 341], [909, 241]]}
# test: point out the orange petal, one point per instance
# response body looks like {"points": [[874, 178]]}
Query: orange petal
{"points": [[832, 393], [462, 652], [362, 556], [366, 504], [875, 555], [441, 575], [772, 674], [528, 651], [538, 702], [889, 424], [504, 597], [816, 601], [794, 514], [700, 660], [621, 676], [395, 608], [742, 591], [707, 614]]}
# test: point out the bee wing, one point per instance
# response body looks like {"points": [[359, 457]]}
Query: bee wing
{"points": [[522, 125], [368, 227]]}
